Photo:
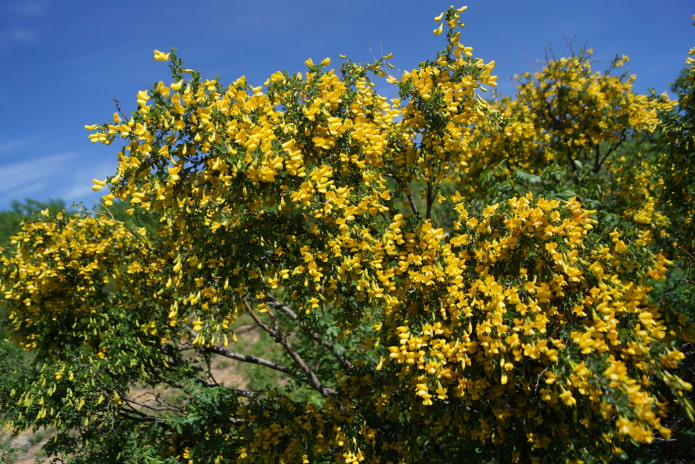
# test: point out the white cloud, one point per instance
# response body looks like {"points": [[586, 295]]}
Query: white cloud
{"points": [[51, 165], [19, 18], [77, 187], [65, 175], [31, 176], [9, 146]]}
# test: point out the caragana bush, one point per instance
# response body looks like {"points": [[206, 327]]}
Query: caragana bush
{"points": [[409, 321]]}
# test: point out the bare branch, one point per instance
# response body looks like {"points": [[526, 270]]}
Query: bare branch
{"points": [[281, 338], [134, 415], [236, 391], [600, 160], [408, 193], [275, 304], [273, 331], [250, 359], [153, 407], [120, 111], [313, 379]]}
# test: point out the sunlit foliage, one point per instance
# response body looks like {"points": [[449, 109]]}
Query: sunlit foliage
{"points": [[410, 316]]}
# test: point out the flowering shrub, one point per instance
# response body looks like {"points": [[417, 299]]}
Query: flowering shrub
{"points": [[406, 319]]}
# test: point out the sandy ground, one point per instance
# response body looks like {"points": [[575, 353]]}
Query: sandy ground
{"points": [[28, 444]]}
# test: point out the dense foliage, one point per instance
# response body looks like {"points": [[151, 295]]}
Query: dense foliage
{"points": [[437, 277], [11, 220]]}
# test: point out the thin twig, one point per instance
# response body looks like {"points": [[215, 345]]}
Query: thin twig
{"points": [[132, 232], [275, 304], [120, 111], [281, 338], [153, 408], [250, 359], [408, 193]]}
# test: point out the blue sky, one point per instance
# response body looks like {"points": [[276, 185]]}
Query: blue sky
{"points": [[64, 62]]}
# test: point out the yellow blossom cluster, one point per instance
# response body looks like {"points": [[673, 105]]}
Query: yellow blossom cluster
{"points": [[406, 317], [64, 264], [519, 307], [567, 114]]}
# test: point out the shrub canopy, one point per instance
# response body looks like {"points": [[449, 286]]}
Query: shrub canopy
{"points": [[431, 278]]}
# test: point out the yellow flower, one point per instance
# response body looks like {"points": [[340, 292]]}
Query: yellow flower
{"points": [[161, 56], [439, 29], [143, 97], [567, 398], [98, 184]]}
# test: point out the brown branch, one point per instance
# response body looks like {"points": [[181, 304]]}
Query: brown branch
{"points": [[432, 192], [236, 391], [408, 193], [281, 338], [275, 304], [325, 391], [599, 162], [151, 407], [130, 413], [120, 111], [428, 213], [146, 418], [411, 200], [250, 359]]}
